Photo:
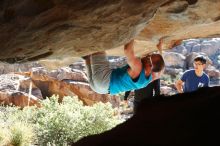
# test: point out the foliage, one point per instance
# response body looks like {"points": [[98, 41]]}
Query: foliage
{"points": [[21, 134], [55, 123], [169, 79], [12, 131], [4, 135]]}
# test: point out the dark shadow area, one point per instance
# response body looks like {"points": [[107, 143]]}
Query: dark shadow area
{"points": [[182, 119]]}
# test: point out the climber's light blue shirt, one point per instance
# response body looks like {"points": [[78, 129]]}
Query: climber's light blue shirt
{"points": [[121, 81]]}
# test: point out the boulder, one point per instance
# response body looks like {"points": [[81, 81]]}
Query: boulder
{"points": [[6, 68], [209, 49], [181, 49], [196, 48], [213, 72], [50, 84], [16, 82], [14, 89], [173, 71], [173, 59], [18, 98], [79, 65], [66, 73]]}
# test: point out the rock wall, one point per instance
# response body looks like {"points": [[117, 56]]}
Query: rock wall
{"points": [[35, 29], [66, 81], [32, 29]]}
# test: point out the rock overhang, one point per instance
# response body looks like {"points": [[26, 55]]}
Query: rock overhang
{"points": [[36, 29]]}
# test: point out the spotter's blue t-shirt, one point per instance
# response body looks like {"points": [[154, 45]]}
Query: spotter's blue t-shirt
{"points": [[192, 82], [121, 81]]}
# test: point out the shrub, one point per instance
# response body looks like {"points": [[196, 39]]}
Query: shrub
{"points": [[4, 136], [55, 123], [166, 78], [14, 131], [170, 79], [70, 120], [18, 134], [21, 134]]}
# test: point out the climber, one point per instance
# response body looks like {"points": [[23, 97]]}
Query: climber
{"points": [[135, 75]]}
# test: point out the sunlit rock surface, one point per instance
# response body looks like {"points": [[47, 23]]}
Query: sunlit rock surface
{"points": [[28, 88], [14, 89], [179, 19], [31, 30], [64, 82]]}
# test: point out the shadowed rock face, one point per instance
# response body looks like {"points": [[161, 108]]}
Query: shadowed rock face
{"points": [[182, 119], [35, 29]]}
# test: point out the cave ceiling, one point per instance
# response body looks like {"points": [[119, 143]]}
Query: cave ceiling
{"points": [[32, 30]]}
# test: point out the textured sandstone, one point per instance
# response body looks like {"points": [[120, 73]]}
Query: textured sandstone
{"points": [[34, 29], [58, 29]]}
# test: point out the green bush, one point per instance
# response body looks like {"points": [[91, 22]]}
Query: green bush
{"points": [[13, 131], [170, 79], [70, 120], [57, 123], [4, 136], [21, 134]]}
